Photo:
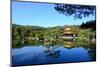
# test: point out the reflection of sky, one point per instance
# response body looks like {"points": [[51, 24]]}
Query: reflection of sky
{"points": [[27, 13], [37, 55]]}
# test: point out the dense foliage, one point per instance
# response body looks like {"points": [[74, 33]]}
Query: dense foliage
{"points": [[89, 24], [31, 34], [78, 11]]}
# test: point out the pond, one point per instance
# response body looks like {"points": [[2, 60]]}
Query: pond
{"points": [[33, 53], [50, 54]]}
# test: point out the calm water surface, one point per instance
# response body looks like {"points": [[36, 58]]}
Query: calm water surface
{"points": [[29, 55]]}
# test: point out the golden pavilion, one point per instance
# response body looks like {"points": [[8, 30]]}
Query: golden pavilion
{"points": [[69, 33]]}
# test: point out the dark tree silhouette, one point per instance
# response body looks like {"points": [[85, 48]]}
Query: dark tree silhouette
{"points": [[78, 11], [89, 24]]}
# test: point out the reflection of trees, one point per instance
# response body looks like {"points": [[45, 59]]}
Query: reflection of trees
{"points": [[17, 44], [51, 46], [53, 42], [89, 46], [51, 51], [92, 51]]}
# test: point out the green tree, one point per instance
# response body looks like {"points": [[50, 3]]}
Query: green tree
{"points": [[78, 11]]}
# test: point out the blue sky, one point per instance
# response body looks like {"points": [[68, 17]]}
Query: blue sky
{"points": [[41, 14]]}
